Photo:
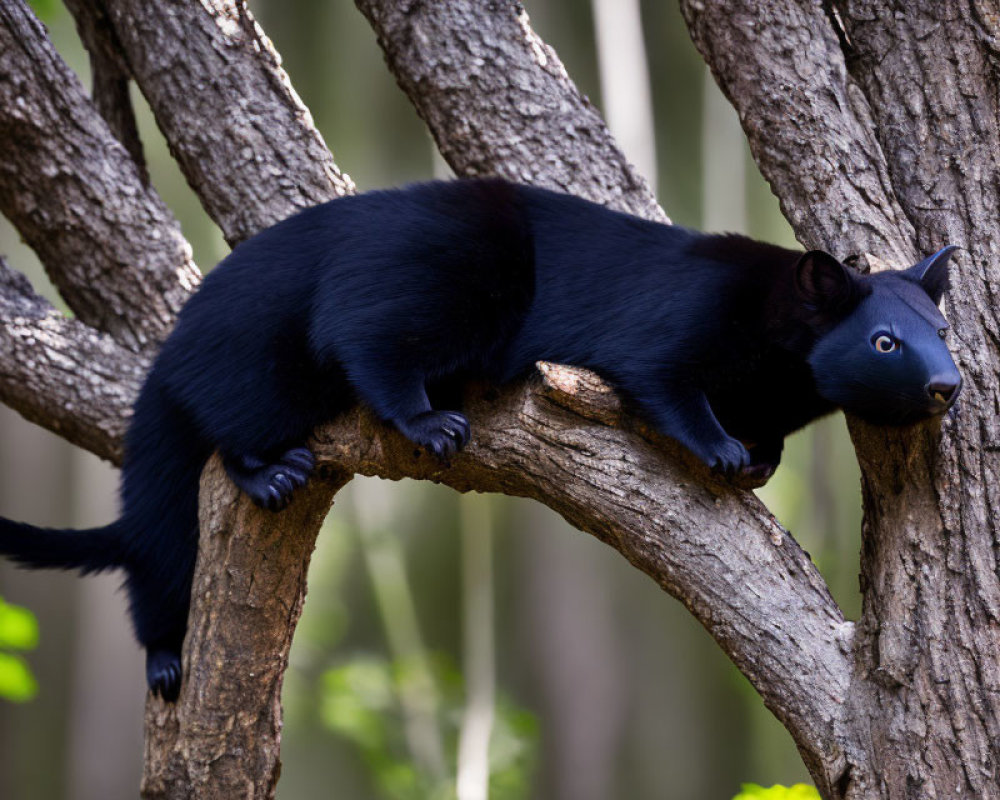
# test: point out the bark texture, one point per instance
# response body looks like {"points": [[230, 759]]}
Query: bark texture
{"points": [[931, 619], [913, 91], [109, 244], [499, 102], [110, 77], [261, 159], [877, 128], [63, 375], [222, 738]]}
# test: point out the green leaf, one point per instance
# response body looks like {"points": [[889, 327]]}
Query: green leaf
{"points": [[16, 681], [800, 791], [354, 699], [18, 627]]}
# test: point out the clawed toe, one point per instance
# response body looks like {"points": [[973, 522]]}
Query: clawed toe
{"points": [[442, 433], [163, 674], [300, 459], [271, 485]]}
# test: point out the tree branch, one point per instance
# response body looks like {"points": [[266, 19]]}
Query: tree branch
{"points": [[913, 95], [810, 129], [108, 243], [262, 159], [499, 102], [111, 77], [61, 374], [715, 549], [221, 739], [931, 620]]}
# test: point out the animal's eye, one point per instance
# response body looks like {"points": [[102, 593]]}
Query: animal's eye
{"points": [[884, 343], [943, 332]]}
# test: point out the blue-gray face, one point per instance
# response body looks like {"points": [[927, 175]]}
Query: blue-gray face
{"points": [[887, 360]]}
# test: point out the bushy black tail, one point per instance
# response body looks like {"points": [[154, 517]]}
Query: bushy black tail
{"points": [[89, 550]]}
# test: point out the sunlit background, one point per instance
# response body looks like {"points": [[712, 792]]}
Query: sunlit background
{"points": [[435, 619]]}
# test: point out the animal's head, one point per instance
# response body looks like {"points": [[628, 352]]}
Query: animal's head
{"points": [[881, 353]]}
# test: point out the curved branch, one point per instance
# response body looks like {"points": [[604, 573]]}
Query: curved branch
{"points": [[108, 242], [499, 102], [716, 549]]}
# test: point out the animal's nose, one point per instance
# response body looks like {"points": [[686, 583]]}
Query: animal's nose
{"points": [[944, 388]]}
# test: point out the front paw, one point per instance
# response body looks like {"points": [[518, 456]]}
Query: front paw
{"points": [[442, 433], [754, 476], [727, 457]]}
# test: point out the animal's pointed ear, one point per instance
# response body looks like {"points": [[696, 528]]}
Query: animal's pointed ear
{"points": [[932, 273], [822, 281]]}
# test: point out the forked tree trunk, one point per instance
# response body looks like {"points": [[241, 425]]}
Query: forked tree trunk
{"points": [[876, 124]]}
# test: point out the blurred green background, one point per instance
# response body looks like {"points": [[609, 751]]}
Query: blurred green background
{"points": [[603, 686]]}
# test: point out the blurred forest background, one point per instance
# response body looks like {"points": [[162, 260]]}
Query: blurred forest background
{"points": [[604, 686]]}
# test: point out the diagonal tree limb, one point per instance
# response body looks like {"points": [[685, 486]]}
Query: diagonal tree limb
{"points": [[561, 441], [108, 242], [111, 77], [262, 158], [499, 102], [809, 127], [63, 375]]}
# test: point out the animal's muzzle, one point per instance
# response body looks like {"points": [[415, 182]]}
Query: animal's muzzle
{"points": [[943, 390]]}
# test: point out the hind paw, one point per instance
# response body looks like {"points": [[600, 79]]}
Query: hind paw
{"points": [[271, 485], [163, 674]]}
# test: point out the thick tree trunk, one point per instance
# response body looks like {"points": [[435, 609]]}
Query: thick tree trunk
{"points": [[877, 128], [221, 740], [888, 145]]}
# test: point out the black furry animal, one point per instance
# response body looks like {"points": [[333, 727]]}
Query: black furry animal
{"points": [[723, 343]]}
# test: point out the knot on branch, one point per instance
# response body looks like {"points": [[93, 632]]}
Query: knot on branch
{"points": [[580, 391]]}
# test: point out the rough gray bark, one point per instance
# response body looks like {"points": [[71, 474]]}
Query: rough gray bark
{"points": [[109, 244], [110, 77], [62, 374], [222, 737], [913, 89], [499, 102], [261, 159], [901, 705]]}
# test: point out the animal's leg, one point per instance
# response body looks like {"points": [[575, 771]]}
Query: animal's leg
{"points": [[402, 400], [685, 415]]}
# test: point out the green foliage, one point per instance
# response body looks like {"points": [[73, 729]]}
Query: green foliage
{"points": [[360, 700], [18, 631], [800, 791], [45, 9]]}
